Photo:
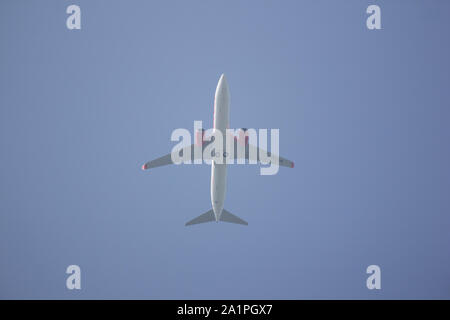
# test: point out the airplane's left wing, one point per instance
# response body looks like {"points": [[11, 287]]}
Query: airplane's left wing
{"points": [[254, 150]]}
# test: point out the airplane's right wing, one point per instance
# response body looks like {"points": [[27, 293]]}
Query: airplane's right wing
{"points": [[167, 159]]}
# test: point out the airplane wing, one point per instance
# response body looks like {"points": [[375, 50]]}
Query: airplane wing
{"points": [[251, 149], [167, 159]]}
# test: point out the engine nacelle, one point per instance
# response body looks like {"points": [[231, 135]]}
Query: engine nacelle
{"points": [[200, 137], [243, 136]]}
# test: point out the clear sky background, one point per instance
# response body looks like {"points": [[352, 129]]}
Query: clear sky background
{"points": [[364, 115]]}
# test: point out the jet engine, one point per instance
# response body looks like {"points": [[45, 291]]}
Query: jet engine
{"points": [[200, 137]]}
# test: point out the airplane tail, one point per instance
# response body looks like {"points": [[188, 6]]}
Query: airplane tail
{"points": [[206, 217], [209, 216], [229, 217]]}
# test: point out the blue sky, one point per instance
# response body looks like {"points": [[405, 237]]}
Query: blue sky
{"points": [[362, 113]]}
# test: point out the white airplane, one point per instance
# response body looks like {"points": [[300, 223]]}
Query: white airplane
{"points": [[218, 170]]}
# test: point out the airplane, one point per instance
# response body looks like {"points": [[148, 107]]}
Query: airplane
{"points": [[218, 170]]}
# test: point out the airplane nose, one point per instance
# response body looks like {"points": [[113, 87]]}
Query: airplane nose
{"points": [[223, 81], [222, 87]]}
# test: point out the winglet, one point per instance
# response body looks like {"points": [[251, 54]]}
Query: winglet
{"points": [[292, 165]]}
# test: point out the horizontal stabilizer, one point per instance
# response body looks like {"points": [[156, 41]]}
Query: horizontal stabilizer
{"points": [[229, 217], [206, 217]]}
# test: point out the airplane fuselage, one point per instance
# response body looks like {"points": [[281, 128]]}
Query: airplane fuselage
{"points": [[221, 123]]}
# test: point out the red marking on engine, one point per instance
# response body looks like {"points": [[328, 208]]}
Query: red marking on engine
{"points": [[199, 138]]}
